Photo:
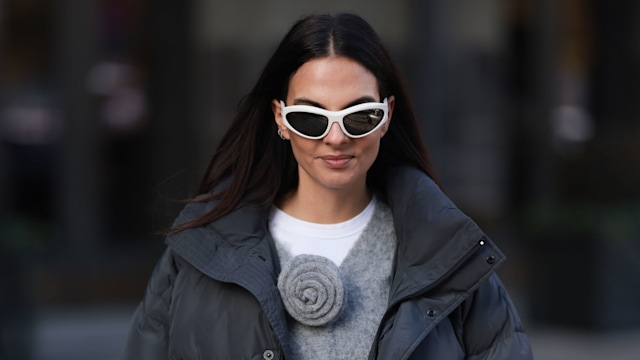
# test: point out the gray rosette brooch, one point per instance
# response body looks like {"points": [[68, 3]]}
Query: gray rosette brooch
{"points": [[312, 290]]}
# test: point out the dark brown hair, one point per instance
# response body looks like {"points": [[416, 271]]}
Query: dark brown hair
{"points": [[258, 167]]}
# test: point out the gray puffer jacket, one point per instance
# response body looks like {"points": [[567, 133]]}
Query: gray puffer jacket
{"points": [[213, 294]]}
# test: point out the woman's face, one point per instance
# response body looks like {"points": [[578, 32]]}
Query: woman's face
{"points": [[335, 161]]}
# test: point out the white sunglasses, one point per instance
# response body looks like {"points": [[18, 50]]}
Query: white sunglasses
{"points": [[314, 123]]}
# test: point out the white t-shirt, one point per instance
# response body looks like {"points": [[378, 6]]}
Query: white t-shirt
{"points": [[332, 241]]}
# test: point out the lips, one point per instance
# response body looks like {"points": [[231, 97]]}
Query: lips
{"points": [[336, 161]]}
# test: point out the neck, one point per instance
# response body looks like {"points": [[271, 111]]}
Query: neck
{"points": [[327, 206]]}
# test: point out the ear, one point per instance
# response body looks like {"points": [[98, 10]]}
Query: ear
{"points": [[391, 102], [277, 114]]}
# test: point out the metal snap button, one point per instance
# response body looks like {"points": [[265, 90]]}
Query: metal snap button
{"points": [[431, 313], [268, 355], [491, 259]]}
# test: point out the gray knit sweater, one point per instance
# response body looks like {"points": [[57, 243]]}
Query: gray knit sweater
{"points": [[366, 275]]}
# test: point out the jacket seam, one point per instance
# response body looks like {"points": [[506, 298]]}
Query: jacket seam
{"points": [[504, 335]]}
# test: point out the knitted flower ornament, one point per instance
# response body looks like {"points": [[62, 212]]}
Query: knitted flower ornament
{"points": [[312, 290]]}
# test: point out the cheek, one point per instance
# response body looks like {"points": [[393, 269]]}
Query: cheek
{"points": [[372, 147], [372, 152], [368, 154], [301, 148]]}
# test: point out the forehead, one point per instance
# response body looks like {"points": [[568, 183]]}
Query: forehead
{"points": [[332, 81]]}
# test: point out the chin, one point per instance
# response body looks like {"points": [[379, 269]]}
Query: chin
{"points": [[340, 181]]}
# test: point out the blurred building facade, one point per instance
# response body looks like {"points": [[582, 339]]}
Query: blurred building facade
{"points": [[109, 110]]}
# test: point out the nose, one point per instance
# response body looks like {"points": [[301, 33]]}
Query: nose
{"points": [[335, 135]]}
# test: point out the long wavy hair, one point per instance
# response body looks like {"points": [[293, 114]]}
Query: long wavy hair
{"points": [[257, 166]]}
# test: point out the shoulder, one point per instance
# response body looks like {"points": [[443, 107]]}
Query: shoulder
{"points": [[243, 222], [411, 190]]}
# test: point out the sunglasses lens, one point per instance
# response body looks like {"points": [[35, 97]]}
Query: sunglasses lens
{"points": [[308, 123], [362, 122]]}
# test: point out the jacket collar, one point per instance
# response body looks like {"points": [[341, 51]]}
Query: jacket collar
{"points": [[434, 237], [235, 249], [222, 247]]}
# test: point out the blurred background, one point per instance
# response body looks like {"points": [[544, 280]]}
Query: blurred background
{"points": [[109, 110]]}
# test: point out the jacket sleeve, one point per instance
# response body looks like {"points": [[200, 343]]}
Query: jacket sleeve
{"points": [[149, 332], [492, 329]]}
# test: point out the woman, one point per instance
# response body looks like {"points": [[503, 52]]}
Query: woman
{"points": [[320, 232]]}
